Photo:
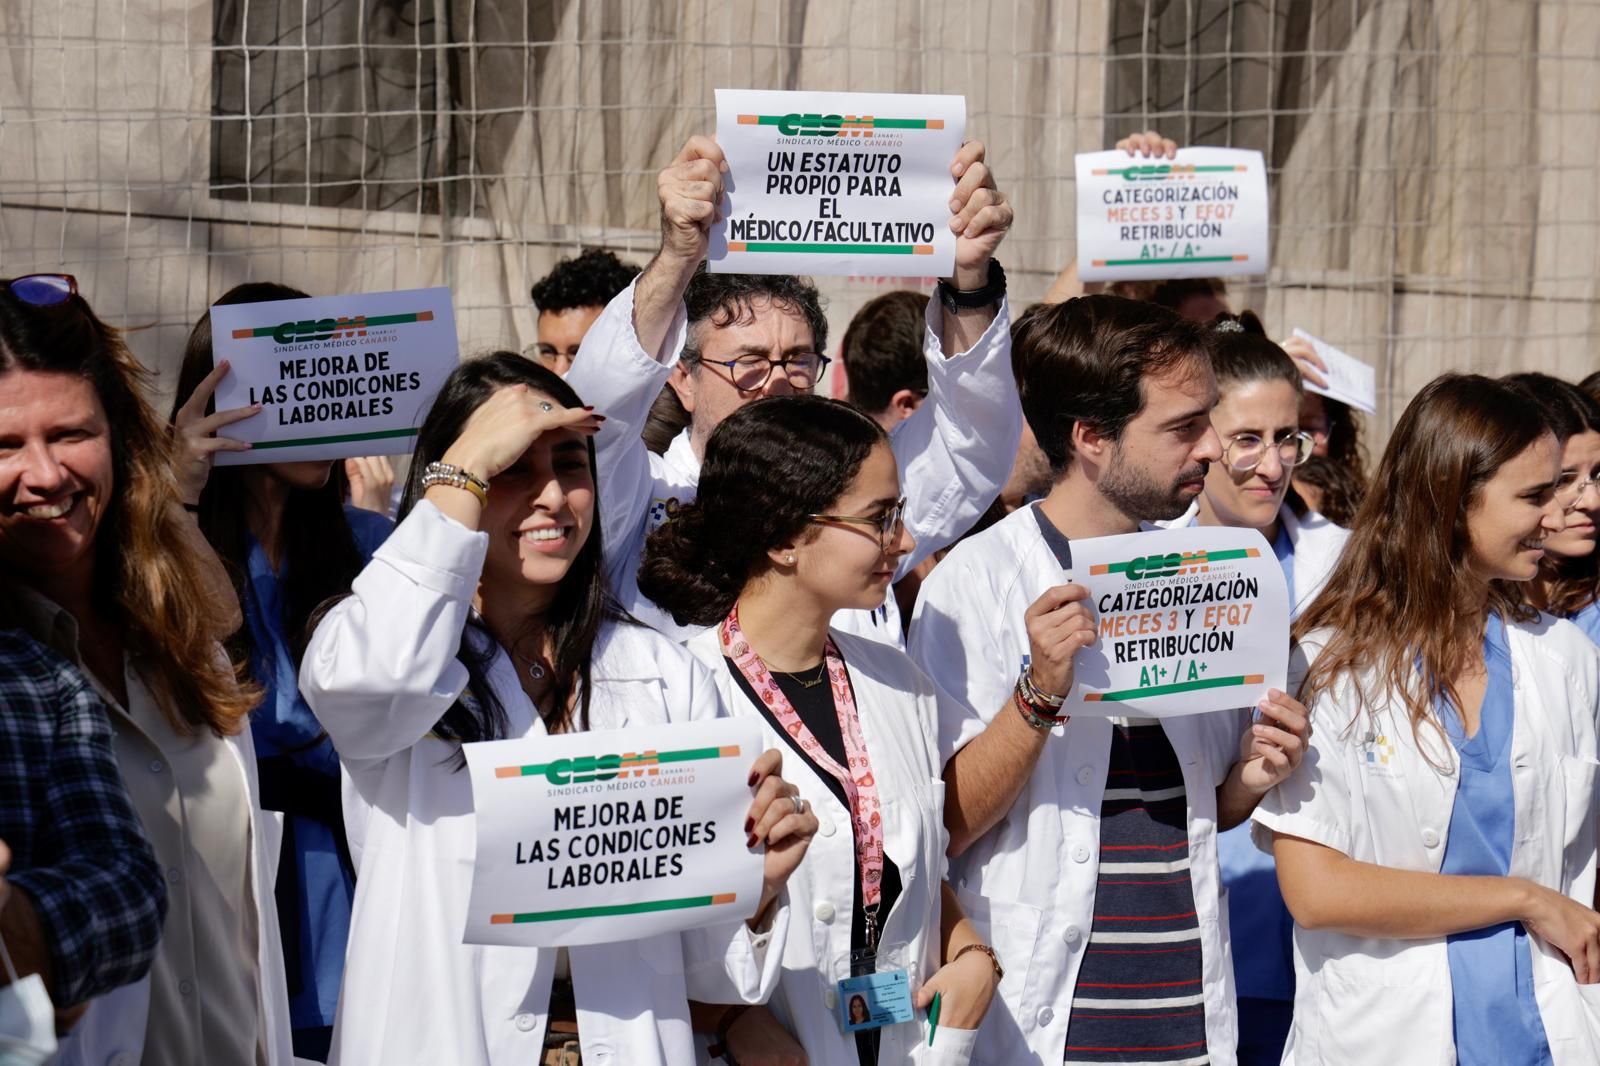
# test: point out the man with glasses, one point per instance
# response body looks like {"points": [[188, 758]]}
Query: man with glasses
{"points": [[721, 341], [1086, 849]]}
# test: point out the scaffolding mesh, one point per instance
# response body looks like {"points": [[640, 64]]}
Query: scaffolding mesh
{"points": [[1432, 161]]}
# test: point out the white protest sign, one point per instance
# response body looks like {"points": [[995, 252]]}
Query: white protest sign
{"points": [[338, 375], [1350, 381], [1189, 620], [837, 183], [1201, 215], [592, 838]]}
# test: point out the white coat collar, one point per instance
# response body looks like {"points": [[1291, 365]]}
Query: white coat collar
{"points": [[681, 462]]}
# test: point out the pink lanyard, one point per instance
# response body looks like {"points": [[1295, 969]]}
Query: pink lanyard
{"points": [[859, 787]]}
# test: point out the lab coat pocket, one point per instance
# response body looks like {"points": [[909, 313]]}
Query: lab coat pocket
{"points": [[1578, 795], [1370, 1002], [951, 1047], [1012, 929]]}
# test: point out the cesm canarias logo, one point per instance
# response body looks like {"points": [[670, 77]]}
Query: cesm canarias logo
{"points": [[585, 769], [1144, 567], [813, 124], [310, 330], [1166, 171]]}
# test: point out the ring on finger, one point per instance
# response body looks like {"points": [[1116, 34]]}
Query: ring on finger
{"points": [[799, 804]]}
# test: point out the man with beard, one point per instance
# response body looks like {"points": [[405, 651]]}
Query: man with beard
{"points": [[1086, 849]]}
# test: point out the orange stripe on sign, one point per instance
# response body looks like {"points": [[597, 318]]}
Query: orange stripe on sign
{"points": [[1092, 697], [728, 897], [922, 249], [502, 919], [243, 334], [749, 120], [728, 751], [508, 771], [1100, 568], [1241, 258], [1255, 553], [424, 316], [936, 123], [1254, 679], [736, 246], [1099, 262]]}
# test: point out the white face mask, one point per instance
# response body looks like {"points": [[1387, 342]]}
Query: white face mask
{"points": [[27, 1018]]}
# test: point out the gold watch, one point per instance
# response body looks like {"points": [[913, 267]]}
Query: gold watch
{"points": [[999, 972]]}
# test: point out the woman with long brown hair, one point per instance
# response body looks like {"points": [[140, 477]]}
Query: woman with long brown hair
{"points": [[104, 564], [1568, 584], [1437, 846]]}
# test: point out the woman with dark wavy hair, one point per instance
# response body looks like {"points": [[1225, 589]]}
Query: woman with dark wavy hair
{"points": [[799, 517], [103, 563], [289, 542], [484, 617], [1437, 845]]}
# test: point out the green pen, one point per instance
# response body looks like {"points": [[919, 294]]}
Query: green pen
{"points": [[933, 1018]]}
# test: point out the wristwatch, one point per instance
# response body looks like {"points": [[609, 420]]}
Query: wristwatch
{"points": [[957, 300], [999, 972]]}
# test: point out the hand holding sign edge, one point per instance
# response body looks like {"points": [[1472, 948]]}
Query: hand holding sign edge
{"points": [[774, 821]]}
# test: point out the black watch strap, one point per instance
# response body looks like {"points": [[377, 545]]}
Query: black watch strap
{"points": [[970, 299]]}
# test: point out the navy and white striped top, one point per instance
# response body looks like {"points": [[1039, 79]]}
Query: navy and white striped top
{"points": [[1139, 997]]}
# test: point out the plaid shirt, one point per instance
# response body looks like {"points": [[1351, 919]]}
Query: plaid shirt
{"points": [[77, 848]]}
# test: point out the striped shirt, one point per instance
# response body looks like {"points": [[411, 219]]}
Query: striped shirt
{"points": [[1139, 997]]}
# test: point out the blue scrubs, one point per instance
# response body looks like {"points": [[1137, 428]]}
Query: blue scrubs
{"points": [[1496, 1019], [1260, 926], [299, 774], [1588, 620]]}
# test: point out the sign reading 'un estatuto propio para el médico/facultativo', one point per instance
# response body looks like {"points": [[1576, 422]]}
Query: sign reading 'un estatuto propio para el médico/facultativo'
{"points": [[336, 376]]}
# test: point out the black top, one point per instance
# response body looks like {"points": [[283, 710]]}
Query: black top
{"points": [[814, 705]]}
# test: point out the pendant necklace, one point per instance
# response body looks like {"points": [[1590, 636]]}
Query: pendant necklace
{"points": [[822, 674]]}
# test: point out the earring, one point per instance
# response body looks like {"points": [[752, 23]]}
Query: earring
{"points": [[789, 559]]}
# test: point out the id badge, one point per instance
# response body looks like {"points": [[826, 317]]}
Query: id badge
{"points": [[874, 989]]}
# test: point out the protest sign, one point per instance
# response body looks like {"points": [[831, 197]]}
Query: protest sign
{"points": [[1201, 215], [1350, 381], [1188, 620], [837, 183], [592, 838], [338, 375]]}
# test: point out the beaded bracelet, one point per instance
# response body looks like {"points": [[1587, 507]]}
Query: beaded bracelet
{"points": [[1035, 695], [1042, 722]]}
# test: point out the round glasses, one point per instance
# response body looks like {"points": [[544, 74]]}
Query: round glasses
{"points": [[886, 524], [1570, 488], [750, 373], [1246, 450]]}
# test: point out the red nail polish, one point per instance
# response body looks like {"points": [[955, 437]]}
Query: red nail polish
{"points": [[749, 824], [750, 841], [753, 776]]}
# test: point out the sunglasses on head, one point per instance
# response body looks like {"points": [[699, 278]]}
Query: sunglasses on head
{"points": [[42, 290]]}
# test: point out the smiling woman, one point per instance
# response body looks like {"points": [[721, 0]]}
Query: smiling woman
{"points": [[102, 563]]}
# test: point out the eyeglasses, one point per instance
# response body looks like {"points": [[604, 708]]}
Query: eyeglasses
{"points": [[886, 524], [749, 373], [1246, 450], [1570, 488], [42, 290]]}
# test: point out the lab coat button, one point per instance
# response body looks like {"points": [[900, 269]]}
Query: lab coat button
{"points": [[526, 1022], [1072, 935], [186, 988], [156, 766], [1430, 839], [824, 824], [1085, 774], [830, 998], [823, 911], [1045, 1015], [174, 875], [1080, 853]]}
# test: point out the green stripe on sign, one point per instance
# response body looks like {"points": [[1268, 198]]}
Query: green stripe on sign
{"points": [[1179, 259], [1167, 690], [1177, 169], [856, 249], [612, 910], [342, 438]]}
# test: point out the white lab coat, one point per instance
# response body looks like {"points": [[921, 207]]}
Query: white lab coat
{"points": [[380, 670], [899, 707], [1318, 543], [1029, 883], [1362, 999], [955, 452], [112, 1029]]}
